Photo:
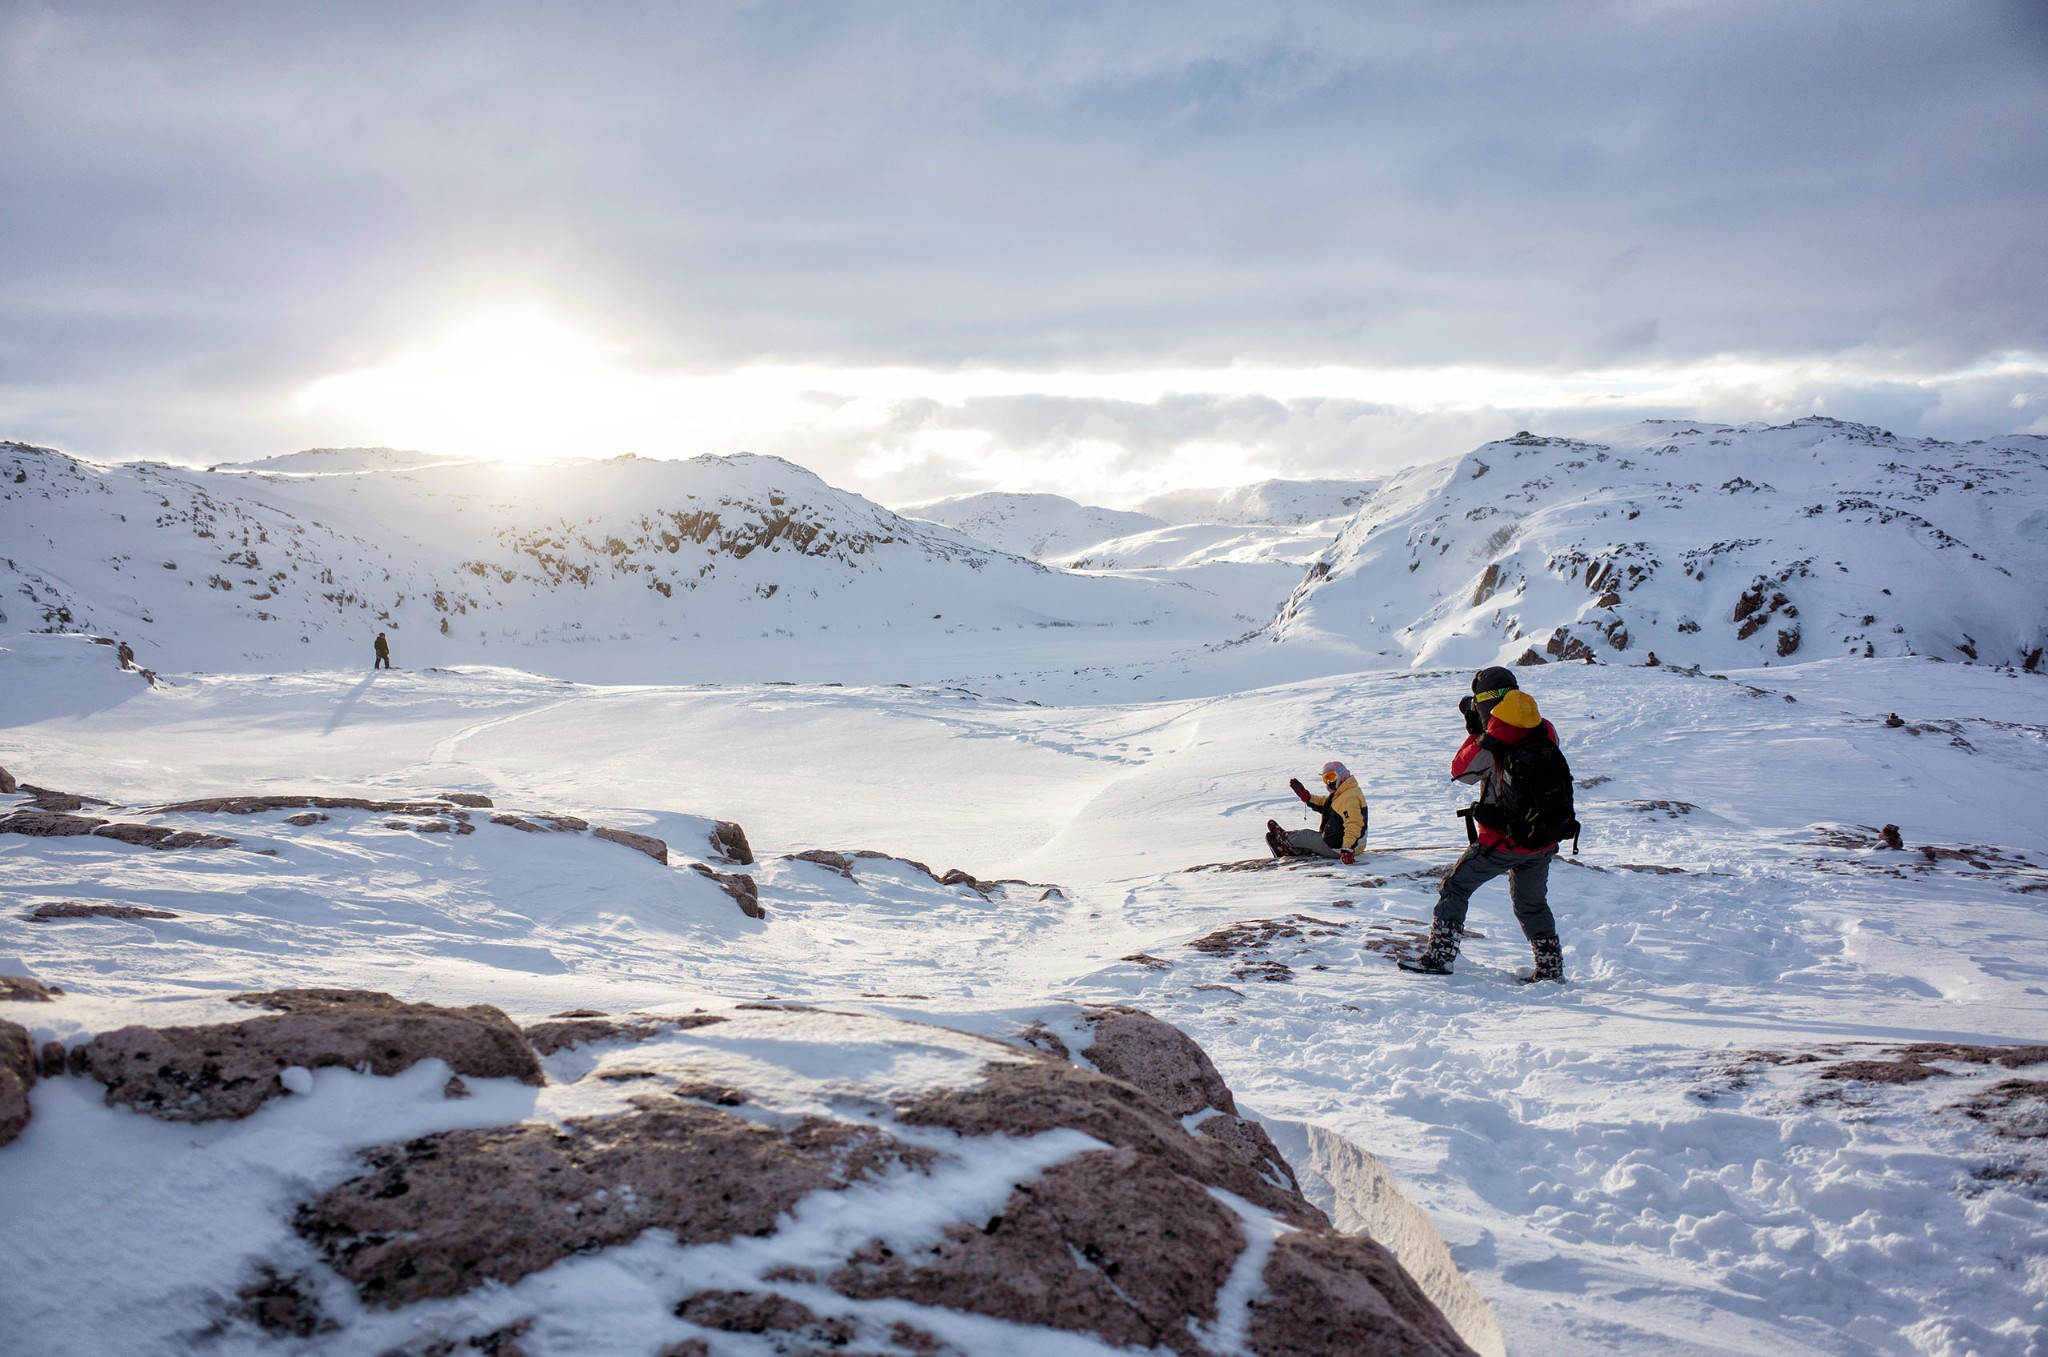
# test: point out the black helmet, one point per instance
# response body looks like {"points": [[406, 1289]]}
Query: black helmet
{"points": [[1492, 678]]}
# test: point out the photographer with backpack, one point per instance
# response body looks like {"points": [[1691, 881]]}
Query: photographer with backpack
{"points": [[1524, 810]]}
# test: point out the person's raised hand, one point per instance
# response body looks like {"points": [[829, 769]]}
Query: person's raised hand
{"points": [[1299, 790]]}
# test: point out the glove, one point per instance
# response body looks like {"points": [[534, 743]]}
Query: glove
{"points": [[1475, 724], [1299, 790], [1345, 857]]}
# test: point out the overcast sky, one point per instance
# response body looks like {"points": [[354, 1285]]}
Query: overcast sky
{"points": [[1103, 249]]}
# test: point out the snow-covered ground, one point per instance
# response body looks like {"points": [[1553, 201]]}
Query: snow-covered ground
{"points": [[1653, 1155]]}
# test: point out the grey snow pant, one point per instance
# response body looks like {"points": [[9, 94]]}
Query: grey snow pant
{"points": [[1528, 888], [1309, 841]]}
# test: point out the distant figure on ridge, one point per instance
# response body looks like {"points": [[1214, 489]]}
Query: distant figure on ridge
{"points": [[1524, 809], [383, 648], [1343, 809]]}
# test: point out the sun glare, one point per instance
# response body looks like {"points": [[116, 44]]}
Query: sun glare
{"points": [[510, 384]]}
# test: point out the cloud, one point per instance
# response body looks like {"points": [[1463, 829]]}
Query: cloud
{"points": [[212, 208]]}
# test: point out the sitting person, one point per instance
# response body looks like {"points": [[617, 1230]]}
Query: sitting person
{"points": [[1342, 807]]}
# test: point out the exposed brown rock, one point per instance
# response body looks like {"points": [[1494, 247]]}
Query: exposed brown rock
{"points": [[304, 818], [689, 1347], [729, 841], [73, 909], [1158, 1059], [8, 786], [473, 800], [280, 1305], [1529, 657], [45, 824], [1044, 1040], [500, 1342], [1562, 645], [2016, 1108], [1110, 1242], [227, 1070], [48, 798], [639, 843], [256, 805], [1920, 1060], [759, 1312], [51, 1061], [161, 836], [442, 1214], [826, 858], [562, 1033], [705, 1091], [20, 987], [1332, 1295], [739, 886], [1889, 837], [1025, 1099], [17, 1076], [955, 877]]}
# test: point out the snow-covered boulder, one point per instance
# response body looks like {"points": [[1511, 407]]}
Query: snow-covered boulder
{"points": [[223, 1071], [821, 1178]]}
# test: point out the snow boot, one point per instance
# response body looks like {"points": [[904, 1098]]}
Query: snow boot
{"points": [[1549, 953], [1276, 839], [1436, 958]]}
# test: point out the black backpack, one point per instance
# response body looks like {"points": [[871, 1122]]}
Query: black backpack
{"points": [[1535, 786]]}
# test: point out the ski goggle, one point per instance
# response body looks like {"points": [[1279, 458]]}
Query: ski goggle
{"points": [[1329, 779], [1496, 695]]}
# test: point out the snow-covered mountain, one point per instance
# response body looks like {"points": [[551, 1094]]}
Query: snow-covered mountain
{"points": [[1278, 503], [1242, 546], [667, 566], [1035, 525], [1703, 543], [318, 460]]}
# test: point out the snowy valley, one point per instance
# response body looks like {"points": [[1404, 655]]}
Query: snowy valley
{"points": [[683, 778]]}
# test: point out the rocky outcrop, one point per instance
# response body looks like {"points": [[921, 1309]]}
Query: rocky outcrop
{"points": [[729, 842], [577, 1029], [21, 989], [440, 1215], [826, 858], [47, 824], [73, 909], [639, 843], [161, 836], [1332, 1295], [8, 786], [256, 805], [1108, 1242], [1029, 1099], [227, 1070], [1157, 1057], [976, 1194], [739, 886], [17, 1077]]}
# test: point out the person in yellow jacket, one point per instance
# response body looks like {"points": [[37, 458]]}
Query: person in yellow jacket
{"points": [[1343, 809]]}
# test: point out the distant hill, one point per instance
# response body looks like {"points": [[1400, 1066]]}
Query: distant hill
{"points": [[1704, 543], [1035, 525], [1279, 503], [319, 461], [667, 567]]}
